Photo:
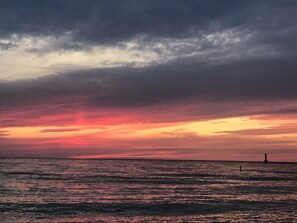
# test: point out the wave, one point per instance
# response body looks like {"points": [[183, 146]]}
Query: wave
{"points": [[173, 209]]}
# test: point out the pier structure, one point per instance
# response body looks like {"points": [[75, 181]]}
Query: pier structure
{"points": [[265, 160]]}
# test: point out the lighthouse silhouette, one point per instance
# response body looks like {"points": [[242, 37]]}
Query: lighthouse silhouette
{"points": [[265, 160]]}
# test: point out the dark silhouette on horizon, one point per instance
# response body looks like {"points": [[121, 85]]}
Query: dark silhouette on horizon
{"points": [[265, 160]]}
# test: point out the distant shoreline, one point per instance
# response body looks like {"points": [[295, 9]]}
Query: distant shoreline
{"points": [[150, 159]]}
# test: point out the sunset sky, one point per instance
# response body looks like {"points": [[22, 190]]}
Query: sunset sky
{"points": [[169, 79]]}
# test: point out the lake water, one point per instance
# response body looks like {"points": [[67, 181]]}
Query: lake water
{"points": [[66, 190]]}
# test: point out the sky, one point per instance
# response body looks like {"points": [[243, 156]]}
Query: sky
{"points": [[170, 79]]}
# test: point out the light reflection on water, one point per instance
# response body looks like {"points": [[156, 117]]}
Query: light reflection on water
{"points": [[61, 190]]}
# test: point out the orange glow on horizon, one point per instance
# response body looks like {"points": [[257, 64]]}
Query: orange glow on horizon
{"points": [[212, 134], [132, 130]]}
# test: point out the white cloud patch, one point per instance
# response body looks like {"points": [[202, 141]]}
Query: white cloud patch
{"points": [[30, 57], [214, 47]]}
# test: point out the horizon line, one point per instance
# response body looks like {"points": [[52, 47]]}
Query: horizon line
{"points": [[151, 159]]}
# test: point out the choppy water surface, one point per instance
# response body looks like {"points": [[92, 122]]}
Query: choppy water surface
{"points": [[61, 190]]}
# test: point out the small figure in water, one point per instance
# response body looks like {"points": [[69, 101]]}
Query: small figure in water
{"points": [[240, 168]]}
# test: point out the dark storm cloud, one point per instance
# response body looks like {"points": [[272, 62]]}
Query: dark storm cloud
{"points": [[268, 75], [254, 80], [110, 21]]}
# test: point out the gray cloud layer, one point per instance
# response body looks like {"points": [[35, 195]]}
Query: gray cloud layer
{"points": [[109, 20], [130, 87], [112, 21], [248, 74]]}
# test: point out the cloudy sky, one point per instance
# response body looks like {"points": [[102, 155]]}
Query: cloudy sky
{"points": [[171, 79]]}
